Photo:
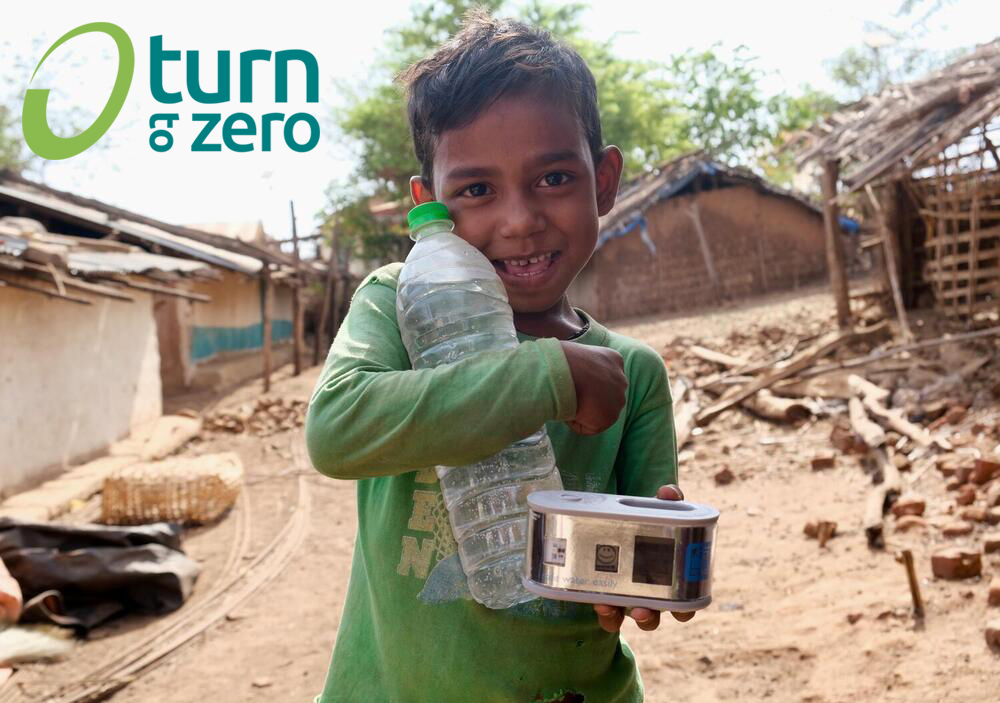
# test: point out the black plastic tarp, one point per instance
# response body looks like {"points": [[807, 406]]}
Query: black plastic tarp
{"points": [[99, 570]]}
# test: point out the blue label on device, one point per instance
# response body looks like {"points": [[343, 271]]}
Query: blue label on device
{"points": [[696, 561]]}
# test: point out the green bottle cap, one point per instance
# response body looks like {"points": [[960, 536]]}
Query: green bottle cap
{"points": [[428, 212]]}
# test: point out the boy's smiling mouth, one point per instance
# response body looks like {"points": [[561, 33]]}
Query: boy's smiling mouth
{"points": [[529, 269]]}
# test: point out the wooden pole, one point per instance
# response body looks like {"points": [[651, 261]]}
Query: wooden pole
{"points": [[890, 249], [296, 300], [911, 575], [265, 288], [706, 252], [329, 291], [834, 247]]}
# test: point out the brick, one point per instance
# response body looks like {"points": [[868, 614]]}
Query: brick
{"points": [[955, 414], [992, 633], [910, 522], [992, 493], [948, 463], [823, 461], [993, 516], [953, 564], [963, 473], [901, 462], [974, 513], [724, 477], [909, 504], [993, 594], [966, 494], [991, 543], [957, 529], [812, 528], [984, 470], [847, 441]]}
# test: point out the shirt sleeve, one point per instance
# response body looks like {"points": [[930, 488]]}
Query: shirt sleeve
{"points": [[647, 457], [371, 414]]}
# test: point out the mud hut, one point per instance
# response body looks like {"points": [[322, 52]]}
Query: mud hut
{"points": [[698, 232]]}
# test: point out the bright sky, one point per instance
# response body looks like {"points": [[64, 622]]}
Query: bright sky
{"points": [[791, 38]]}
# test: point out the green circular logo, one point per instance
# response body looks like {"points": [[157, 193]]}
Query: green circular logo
{"points": [[39, 136]]}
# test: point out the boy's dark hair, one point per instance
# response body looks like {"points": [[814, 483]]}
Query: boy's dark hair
{"points": [[488, 59]]}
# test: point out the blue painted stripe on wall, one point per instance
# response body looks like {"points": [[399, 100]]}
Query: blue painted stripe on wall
{"points": [[206, 342]]}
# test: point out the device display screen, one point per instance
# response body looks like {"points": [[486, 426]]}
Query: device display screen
{"points": [[653, 562]]}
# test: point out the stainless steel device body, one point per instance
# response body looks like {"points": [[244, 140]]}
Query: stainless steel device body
{"points": [[620, 550]]}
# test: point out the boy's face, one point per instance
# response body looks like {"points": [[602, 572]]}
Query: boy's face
{"points": [[521, 186]]}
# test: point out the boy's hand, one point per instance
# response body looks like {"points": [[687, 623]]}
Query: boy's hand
{"points": [[611, 617], [600, 382]]}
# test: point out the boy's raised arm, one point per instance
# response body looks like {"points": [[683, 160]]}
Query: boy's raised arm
{"points": [[372, 415]]}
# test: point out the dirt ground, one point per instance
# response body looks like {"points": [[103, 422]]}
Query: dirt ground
{"points": [[778, 628]]}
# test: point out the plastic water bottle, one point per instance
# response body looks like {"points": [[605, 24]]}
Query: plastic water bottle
{"points": [[451, 304]]}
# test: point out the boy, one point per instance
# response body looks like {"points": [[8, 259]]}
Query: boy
{"points": [[506, 128]]}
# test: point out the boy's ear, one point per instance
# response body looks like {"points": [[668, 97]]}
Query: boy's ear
{"points": [[419, 191], [608, 174]]}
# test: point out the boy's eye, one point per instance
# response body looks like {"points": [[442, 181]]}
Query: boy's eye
{"points": [[556, 178], [476, 190]]}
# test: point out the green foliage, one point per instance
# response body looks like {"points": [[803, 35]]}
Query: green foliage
{"points": [[791, 114], [653, 111], [12, 149], [723, 106]]}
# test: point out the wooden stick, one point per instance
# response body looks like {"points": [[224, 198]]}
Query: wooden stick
{"points": [[862, 387], [296, 299], [913, 346], [716, 357], [772, 407], [895, 420], [786, 369], [329, 288], [706, 252], [154, 288], [911, 575], [892, 262], [880, 498], [265, 313], [834, 246], [684, 421], [42, 291], [871, 432]]}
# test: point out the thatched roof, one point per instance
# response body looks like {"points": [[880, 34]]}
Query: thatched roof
{"points": [[904, 125]]}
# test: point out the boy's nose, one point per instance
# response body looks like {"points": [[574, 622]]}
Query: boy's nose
{"points": [[520, 219]]}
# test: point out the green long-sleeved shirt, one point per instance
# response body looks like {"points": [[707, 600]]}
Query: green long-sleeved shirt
{"points": [[410, 631]]}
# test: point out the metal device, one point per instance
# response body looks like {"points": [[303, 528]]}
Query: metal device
{"points": [[620, 550]]}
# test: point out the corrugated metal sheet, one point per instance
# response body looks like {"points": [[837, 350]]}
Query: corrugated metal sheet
{"points": [[130, 262], [189, 247]]}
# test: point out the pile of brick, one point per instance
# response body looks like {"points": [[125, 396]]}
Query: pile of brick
{"points": [[263, 417]]}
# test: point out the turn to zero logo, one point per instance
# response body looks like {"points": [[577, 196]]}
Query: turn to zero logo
{"points": [[39, 137], [34, 118]]}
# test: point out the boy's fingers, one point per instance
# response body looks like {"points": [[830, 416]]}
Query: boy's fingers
{"points": [[645, 618], [682, 617], [609, 617], [580, 429], [669, 492]]}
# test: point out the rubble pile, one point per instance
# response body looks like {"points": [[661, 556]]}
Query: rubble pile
{"points": [[920, 417], [263, 417]]}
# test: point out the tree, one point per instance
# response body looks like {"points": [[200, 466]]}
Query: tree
{"points": [[639, 112], [791, 115], [12, 149], [653, 111], [724, 111]]}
